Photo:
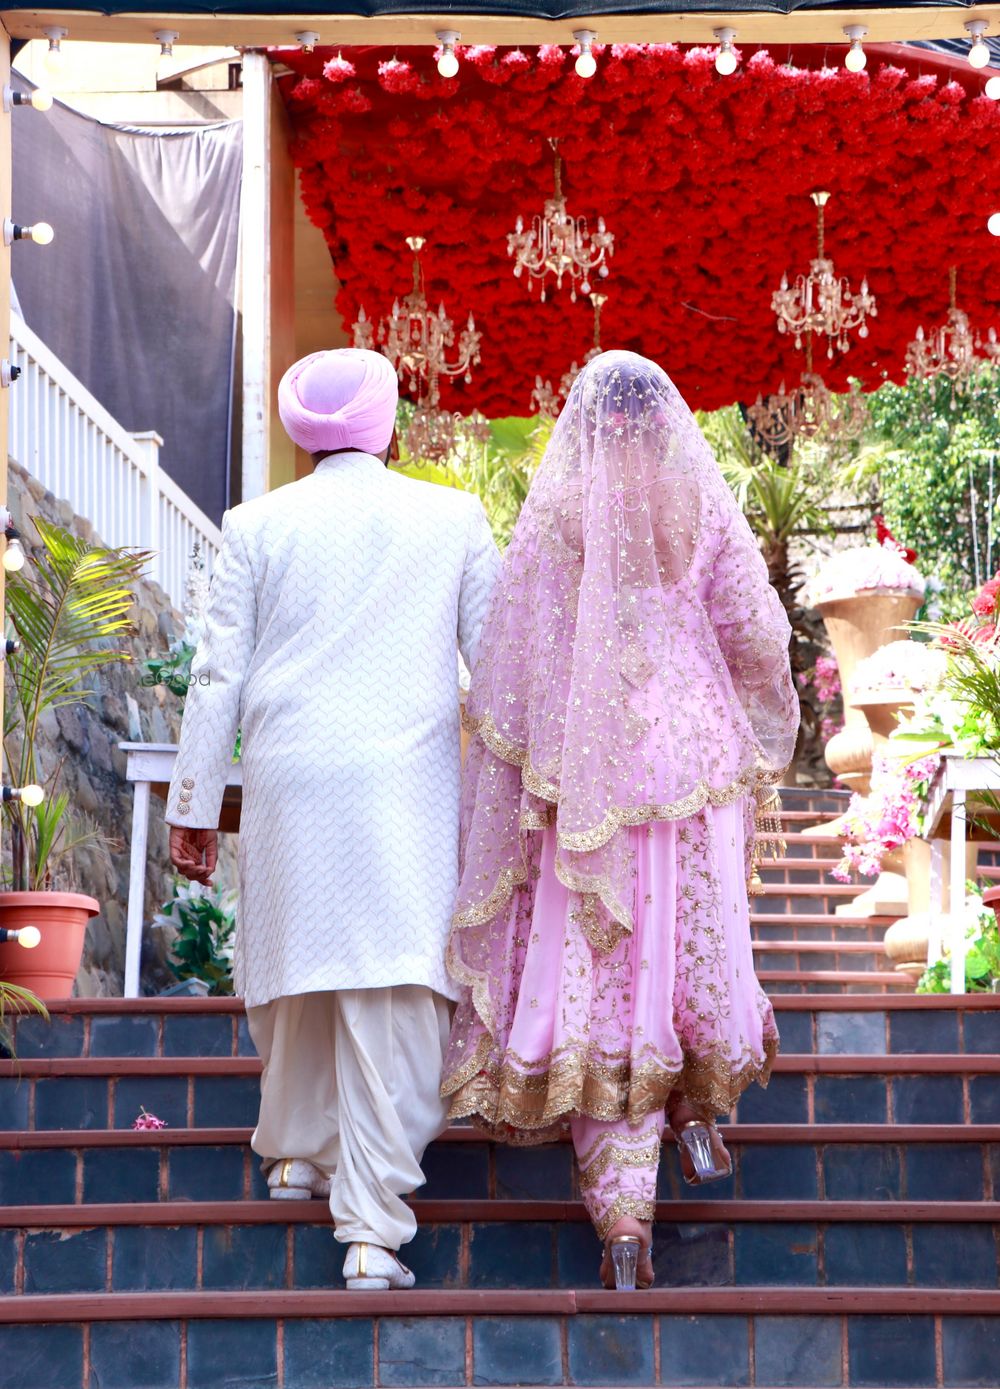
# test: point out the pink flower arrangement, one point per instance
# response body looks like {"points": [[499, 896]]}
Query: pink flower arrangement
{"points": [[899, 666], [826, 679], [887, 817], [148, 1121]]}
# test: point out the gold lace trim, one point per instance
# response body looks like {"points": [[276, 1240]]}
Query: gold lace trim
{"points": [[623, 1205], [484, 911], [613, 1155], [535, 1108], [645, 1135]]}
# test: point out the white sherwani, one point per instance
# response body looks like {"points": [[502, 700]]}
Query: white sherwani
{"points": [[331, 627]]}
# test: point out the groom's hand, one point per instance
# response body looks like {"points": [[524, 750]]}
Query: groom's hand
{"points": [[194, 852]]}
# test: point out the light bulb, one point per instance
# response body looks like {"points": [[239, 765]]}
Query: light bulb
{"points": [[13, 556], [979, 53], [586, 63], [992, 89], [40, 233], [994, 224], [28, 937], [32, 795], [725, 60], [38, 100], [307, 39], [856, 59], [447, 63], [53, 60]]}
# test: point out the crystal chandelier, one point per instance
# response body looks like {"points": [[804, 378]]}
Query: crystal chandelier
{"points": [[435, 435], [810, 411], [558, 245], [547, 402], [821, 302], [952, 349], [416, 339]]}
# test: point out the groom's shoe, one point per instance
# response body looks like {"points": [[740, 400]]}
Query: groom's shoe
{"points": [[370, 1268], [294, 1179]]}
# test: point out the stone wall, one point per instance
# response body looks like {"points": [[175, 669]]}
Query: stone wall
{"points": [[85, 738]]}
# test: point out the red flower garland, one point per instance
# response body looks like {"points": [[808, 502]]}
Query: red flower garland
{"points": [[704, 181]]}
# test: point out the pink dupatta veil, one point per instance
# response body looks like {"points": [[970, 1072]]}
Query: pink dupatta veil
{"points": [[633, 666]]}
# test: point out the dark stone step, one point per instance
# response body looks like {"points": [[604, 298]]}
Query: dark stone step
{"points": [[520, 1246], [762, 1336], [859, 1163]]}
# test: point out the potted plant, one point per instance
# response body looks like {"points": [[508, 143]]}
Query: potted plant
{"points": [[71, 610]]}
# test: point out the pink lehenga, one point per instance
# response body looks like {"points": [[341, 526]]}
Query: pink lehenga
{"points": [[631, 703]]}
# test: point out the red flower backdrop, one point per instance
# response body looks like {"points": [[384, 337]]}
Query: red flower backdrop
{"points": [[704, 180]]}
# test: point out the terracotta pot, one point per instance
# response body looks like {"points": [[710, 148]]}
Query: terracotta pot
{"points": [[857, 626], [991, 898], [50, 969]]}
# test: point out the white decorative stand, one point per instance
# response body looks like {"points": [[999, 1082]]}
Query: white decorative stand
{"points": [[149, 767], [953, 790]]}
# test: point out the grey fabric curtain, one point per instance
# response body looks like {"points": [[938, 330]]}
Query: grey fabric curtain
{"points": [[137, 293]]}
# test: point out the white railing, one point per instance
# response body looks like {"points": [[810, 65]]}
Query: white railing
{"points": [[68, 441]]}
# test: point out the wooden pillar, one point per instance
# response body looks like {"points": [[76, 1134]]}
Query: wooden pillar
{"points": [[5, 211], [267, 278]]}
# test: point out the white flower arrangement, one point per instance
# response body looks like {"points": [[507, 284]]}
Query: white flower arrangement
{"points": [[900, 665], [864, 569]]}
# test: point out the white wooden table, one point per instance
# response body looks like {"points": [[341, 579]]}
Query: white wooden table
{"points": [[149, 768], [954, 787]]}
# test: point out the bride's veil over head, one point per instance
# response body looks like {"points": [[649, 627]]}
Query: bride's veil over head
{"points": [[633, 665]]}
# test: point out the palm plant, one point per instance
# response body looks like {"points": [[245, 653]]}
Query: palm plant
{"points": [[71, 613]]}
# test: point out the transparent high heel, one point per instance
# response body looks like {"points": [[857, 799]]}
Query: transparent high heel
{"points": [[625, 1251], [695, 1138]]}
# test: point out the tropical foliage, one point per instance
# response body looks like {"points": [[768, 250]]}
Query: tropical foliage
{"points": [[71, 610], [205, 922]]}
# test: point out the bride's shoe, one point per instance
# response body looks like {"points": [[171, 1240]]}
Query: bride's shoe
{"points": [[699, 1140], [626, 1257]]}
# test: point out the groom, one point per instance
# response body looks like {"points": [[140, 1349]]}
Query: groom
{"points": [[336, 606]]}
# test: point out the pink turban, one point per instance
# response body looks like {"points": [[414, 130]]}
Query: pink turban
{"points": [[341, 399]]}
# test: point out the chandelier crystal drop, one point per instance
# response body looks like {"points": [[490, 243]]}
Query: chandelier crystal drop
{"points": [[548, 402], [417, 339], [952, 349], [822, 302], [558, 246]]}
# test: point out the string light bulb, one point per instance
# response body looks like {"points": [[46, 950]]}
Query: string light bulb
{"points": [[726, 62], [307, 39], [54, 56], [38, 100], [13, 556], [447, 62], [979, 52], [10, 647], [28, 795], [992, 89], [26, 936], [993, 225], [40, 232], [856, 59], [586, 63]]}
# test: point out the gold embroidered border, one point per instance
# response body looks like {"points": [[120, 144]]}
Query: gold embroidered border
{"points": [[623, 1205], [619, 1157], [536, 1108], [643, 1136]]}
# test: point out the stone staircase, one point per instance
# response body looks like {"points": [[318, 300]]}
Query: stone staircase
{"points": [[856, 1243]]}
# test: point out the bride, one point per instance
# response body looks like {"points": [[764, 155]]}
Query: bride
{"points": [[631, 705]]}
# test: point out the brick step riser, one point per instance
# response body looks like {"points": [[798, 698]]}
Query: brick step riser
{"points": [[590, 1348], [74, 1102], [931, 1024], [832, 930], [501, 1257], [828, 985], [870, 1171], [768, 956]]}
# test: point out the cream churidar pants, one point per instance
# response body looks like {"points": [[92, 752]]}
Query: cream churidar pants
{"points": [[350, 1084]]}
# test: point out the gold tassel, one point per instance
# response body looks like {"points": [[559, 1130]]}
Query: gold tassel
{"points": [[768, 840]]}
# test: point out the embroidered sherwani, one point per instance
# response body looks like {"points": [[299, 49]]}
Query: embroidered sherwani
{"points": [[330, 639]]}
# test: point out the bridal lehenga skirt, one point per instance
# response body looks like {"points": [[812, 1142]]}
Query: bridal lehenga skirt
{"points": [[674, 1009]]}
